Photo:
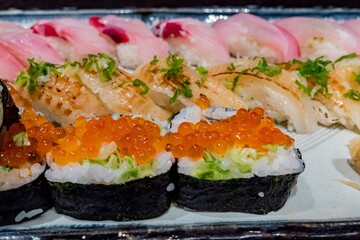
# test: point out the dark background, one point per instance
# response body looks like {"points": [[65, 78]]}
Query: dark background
{"points": [[108, 4]]}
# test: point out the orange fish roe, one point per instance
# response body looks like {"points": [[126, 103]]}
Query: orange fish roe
{"points": [[246, 129], [134, 137], [203, 101], [19, 148]]}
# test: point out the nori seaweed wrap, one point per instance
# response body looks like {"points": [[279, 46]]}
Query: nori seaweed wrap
{"points": [[241, 163], [135, 200], [111, 168], [23, 188], [24, 202], [259, 195]]}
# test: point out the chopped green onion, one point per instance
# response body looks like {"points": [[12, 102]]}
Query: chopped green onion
{"points": [[102, 64], [21, 139], [137, 83], [269, 71], [357, 77], [236, 79], [175, 65], [351, 55], [203, 72], [303, 88], [231, 67], [154, 61], [175, 96], [316, 72], [352, 94]]}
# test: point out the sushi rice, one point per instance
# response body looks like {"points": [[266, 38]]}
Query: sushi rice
{"points": [[11, 178], [93, 173]]}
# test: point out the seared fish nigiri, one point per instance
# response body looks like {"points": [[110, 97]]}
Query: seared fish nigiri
{"points": [[270, 87], [58, 93], [174, 85], [118, 90]]}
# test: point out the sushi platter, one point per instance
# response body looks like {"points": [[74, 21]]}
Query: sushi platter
{"points": [[318, 197]]}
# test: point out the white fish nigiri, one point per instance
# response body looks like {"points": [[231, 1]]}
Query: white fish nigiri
{"points": [[320, 37], [23, 45], [251, 36], [9, 65], [74, 38], [136, 44], [196, 41]]}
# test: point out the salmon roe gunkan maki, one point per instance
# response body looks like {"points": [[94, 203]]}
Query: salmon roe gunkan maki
{"points": [[231, 160], [24, 192], [110, 167]]}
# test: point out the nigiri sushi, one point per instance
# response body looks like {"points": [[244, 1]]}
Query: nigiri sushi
{"points": [[196, 41], [330, 87], [73, 38], [9, 65], [173, 84], [250, 36], [24, 45], [260, 84], [320, 37], [58, 93], [242, 163], [111, 168], [120, 92], [136, 44], [6, 26], [23, 189]]}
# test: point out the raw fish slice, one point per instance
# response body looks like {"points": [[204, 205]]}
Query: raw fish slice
{"points": [[120, 96], [6, 26], [76, 34], [354, 26], [193, 39], [62, 98], [24, 45], [320, 37], [278, 95], [185, 87], [249, 35], [136, 44], [9, 65]]}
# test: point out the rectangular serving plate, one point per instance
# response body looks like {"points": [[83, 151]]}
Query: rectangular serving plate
{"points": [[321, 205]]}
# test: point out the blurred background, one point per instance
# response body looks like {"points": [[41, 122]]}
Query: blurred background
{"points": [[59, 4]]}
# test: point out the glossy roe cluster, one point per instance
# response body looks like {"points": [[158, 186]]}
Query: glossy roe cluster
{"points": [[246, 129], [32, 147], [134, 137]]}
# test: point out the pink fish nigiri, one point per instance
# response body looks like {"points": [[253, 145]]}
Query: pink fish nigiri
{"points": [[9, 65], [249, 35], [353, 25], [6, 26], [136, 44], [23, 44], [72, 37], [320, 37], [195, 40]]}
